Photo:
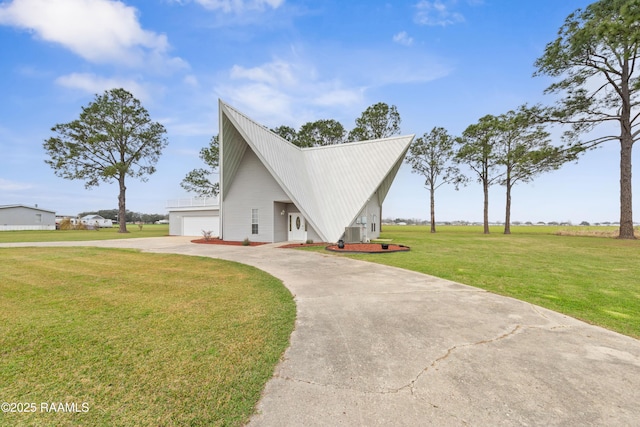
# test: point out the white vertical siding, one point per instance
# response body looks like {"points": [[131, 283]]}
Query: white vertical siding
{"points": [[253, 188]]}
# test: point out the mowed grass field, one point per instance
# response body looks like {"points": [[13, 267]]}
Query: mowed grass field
{"points": [[136, 338], [148, 230], [595, 279]]}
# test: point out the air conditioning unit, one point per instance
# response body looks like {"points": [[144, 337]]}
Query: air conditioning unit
{"points": [[352, 235]]}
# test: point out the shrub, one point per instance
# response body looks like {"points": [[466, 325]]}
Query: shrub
{"points": [[309, 241], [65, 224], [246, 242], [207, 235]]}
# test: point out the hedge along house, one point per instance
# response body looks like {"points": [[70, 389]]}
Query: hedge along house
{"points": [[273, 191]]}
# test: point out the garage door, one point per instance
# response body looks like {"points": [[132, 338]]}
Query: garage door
{"points": [[193, 225]]}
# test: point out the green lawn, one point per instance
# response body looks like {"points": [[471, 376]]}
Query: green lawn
{"points": [[141, 339], [150, 230], [595, 279]]}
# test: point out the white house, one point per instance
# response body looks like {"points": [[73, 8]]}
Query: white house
{"points": [[96, 221], [272, 190], [22, 217]]}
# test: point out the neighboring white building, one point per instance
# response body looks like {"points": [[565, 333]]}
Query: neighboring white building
{"points": [[22, 217], [190, 217], [272, 190], [96, 221]]}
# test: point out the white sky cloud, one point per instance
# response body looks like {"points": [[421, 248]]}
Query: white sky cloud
{"points": [[238, 6], [191, 80], [93, 84], [403, 38], [294, 91], [274, 73], [100, 31], [279, 91], [7, 185], [437, 12]]}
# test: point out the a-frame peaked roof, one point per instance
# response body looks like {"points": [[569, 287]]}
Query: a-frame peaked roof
{"points": [[330, 185]]}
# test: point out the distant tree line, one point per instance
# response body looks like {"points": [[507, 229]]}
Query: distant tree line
{"points": [[418, 221], [130, 217]]}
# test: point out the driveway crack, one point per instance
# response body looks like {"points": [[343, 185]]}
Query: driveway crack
{"points": [[451, 350]]}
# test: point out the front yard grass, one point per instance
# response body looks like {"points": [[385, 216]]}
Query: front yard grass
{"points": [[141, 339], [148, 230], [595, 279]]}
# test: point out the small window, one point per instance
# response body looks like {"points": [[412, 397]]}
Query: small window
{"points": [[254, 221], [373, 224], [38, 218]]}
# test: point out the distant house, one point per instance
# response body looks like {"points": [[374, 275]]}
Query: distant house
{"points": [[96, 221], [22, 217]]}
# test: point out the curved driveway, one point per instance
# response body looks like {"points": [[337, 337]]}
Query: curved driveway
{"points": [[378, 345]]}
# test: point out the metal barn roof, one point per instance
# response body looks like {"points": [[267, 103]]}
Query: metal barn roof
{"points": [[330, 185]]}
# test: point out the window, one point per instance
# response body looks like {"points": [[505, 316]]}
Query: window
{"points": [[38, 218], [373, 224], [254, 221]]}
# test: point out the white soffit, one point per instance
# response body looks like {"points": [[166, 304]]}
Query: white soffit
{"points": [[330, 185]]}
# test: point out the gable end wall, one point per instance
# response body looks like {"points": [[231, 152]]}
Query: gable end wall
{"points": [[253, 187]]}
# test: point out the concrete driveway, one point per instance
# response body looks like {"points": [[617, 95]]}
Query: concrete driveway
{"points": [[377, 345]]}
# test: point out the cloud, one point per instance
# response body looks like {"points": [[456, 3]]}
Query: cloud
{"points": [[100, 31], [300, 88], [191, 80], [403, 38], [239, 6], [6, 185], [437, 13], [274, 73], [343, 97], [286, 91], [93, 84]]}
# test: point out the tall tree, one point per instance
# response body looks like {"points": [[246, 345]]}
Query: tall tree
{"points": [[594, 57], [524, 150], [199, 180], [432, 157], [286, 132], [114, 138], [320, 133], [478, 149], [377, 121]]}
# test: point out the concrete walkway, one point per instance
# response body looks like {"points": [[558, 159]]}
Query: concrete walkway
{"points": [[377, 345]]}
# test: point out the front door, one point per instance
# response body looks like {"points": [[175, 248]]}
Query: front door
{"points": [[297, 227]]}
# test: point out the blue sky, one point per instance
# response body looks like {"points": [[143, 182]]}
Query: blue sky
{"points": [[285, 62]]}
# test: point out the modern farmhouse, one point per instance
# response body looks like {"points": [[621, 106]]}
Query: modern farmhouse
{"points": [[273, 191]]}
